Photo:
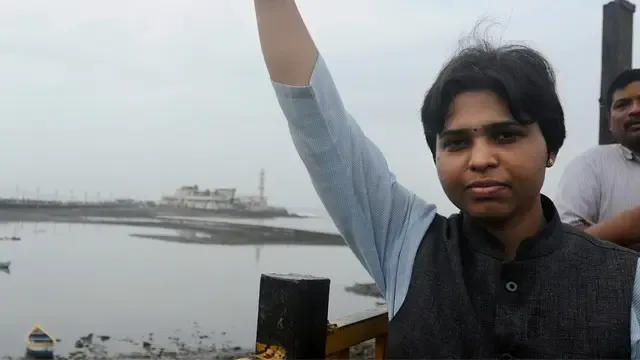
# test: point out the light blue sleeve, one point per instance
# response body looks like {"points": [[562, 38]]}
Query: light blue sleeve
{"points": [[382, 222], [635, 316]]}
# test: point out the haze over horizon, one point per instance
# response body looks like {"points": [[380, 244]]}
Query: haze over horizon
{"points": [[138, 97]]}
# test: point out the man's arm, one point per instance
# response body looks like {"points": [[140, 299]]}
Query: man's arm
{"points": [[370, 209], [623, 229], [579, 200]]}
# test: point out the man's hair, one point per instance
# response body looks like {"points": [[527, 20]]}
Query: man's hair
{"points": [[620, 82], [517, 74]]}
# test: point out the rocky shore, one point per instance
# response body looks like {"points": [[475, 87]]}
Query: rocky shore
{"points": [[95, 347], [198, 344]]}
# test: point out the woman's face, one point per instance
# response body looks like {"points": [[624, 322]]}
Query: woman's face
{"points": [[489, 165]]}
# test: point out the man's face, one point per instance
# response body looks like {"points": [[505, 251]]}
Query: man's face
{"points": [[489, 165], [625, 116]]}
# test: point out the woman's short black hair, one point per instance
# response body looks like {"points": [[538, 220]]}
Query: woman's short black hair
{"points": [[518, 74]]}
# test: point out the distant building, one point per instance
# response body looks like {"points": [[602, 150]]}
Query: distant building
{"points": [[217, 199]]}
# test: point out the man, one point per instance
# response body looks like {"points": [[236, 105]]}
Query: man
{"points": [[600, 189], [504, 277]]}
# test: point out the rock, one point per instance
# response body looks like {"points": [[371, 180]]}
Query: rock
{"points": [[369, 289], [84, 341]]}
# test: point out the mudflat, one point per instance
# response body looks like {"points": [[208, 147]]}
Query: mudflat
{"points": [[195, 225]]}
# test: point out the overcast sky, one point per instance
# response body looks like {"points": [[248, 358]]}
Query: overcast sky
{"points": [[136, 98]]}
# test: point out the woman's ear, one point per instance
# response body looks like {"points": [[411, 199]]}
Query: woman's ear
{"points": [[551, 159]]}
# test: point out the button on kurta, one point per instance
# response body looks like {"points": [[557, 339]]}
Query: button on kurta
{"points": [[511, 286]]}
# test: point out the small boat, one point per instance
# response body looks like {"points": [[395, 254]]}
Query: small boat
{"points": [[39, 343], [5, 264]]}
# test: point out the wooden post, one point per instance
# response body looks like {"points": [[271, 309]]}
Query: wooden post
{"points": [[617, 49], [292, 316]]}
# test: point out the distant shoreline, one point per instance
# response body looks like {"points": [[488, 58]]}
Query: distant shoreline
{"points": [[192, 226]]}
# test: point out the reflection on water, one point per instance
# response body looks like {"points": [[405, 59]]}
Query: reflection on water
{"points": [[193, 235], [76, 279], [258, 249]]}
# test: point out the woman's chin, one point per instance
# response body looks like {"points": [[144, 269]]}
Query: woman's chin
{"points": [[489, 211]]}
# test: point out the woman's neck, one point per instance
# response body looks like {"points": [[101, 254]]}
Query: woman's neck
{"points": [[519, 227]]}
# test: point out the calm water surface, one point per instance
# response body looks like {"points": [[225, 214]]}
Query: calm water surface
{"points": [[80, 279]]}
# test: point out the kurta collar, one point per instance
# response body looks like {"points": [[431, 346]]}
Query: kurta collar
{"points": [[543, 243]]}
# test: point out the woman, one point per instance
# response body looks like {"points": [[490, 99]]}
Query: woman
{"points": [[504, 277]]}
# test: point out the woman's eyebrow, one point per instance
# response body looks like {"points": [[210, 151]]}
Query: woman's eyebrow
{"points": [[505, 124]]}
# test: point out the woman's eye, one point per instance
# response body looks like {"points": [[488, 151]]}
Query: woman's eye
{"points": [[506, 137], [455, 144]]}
